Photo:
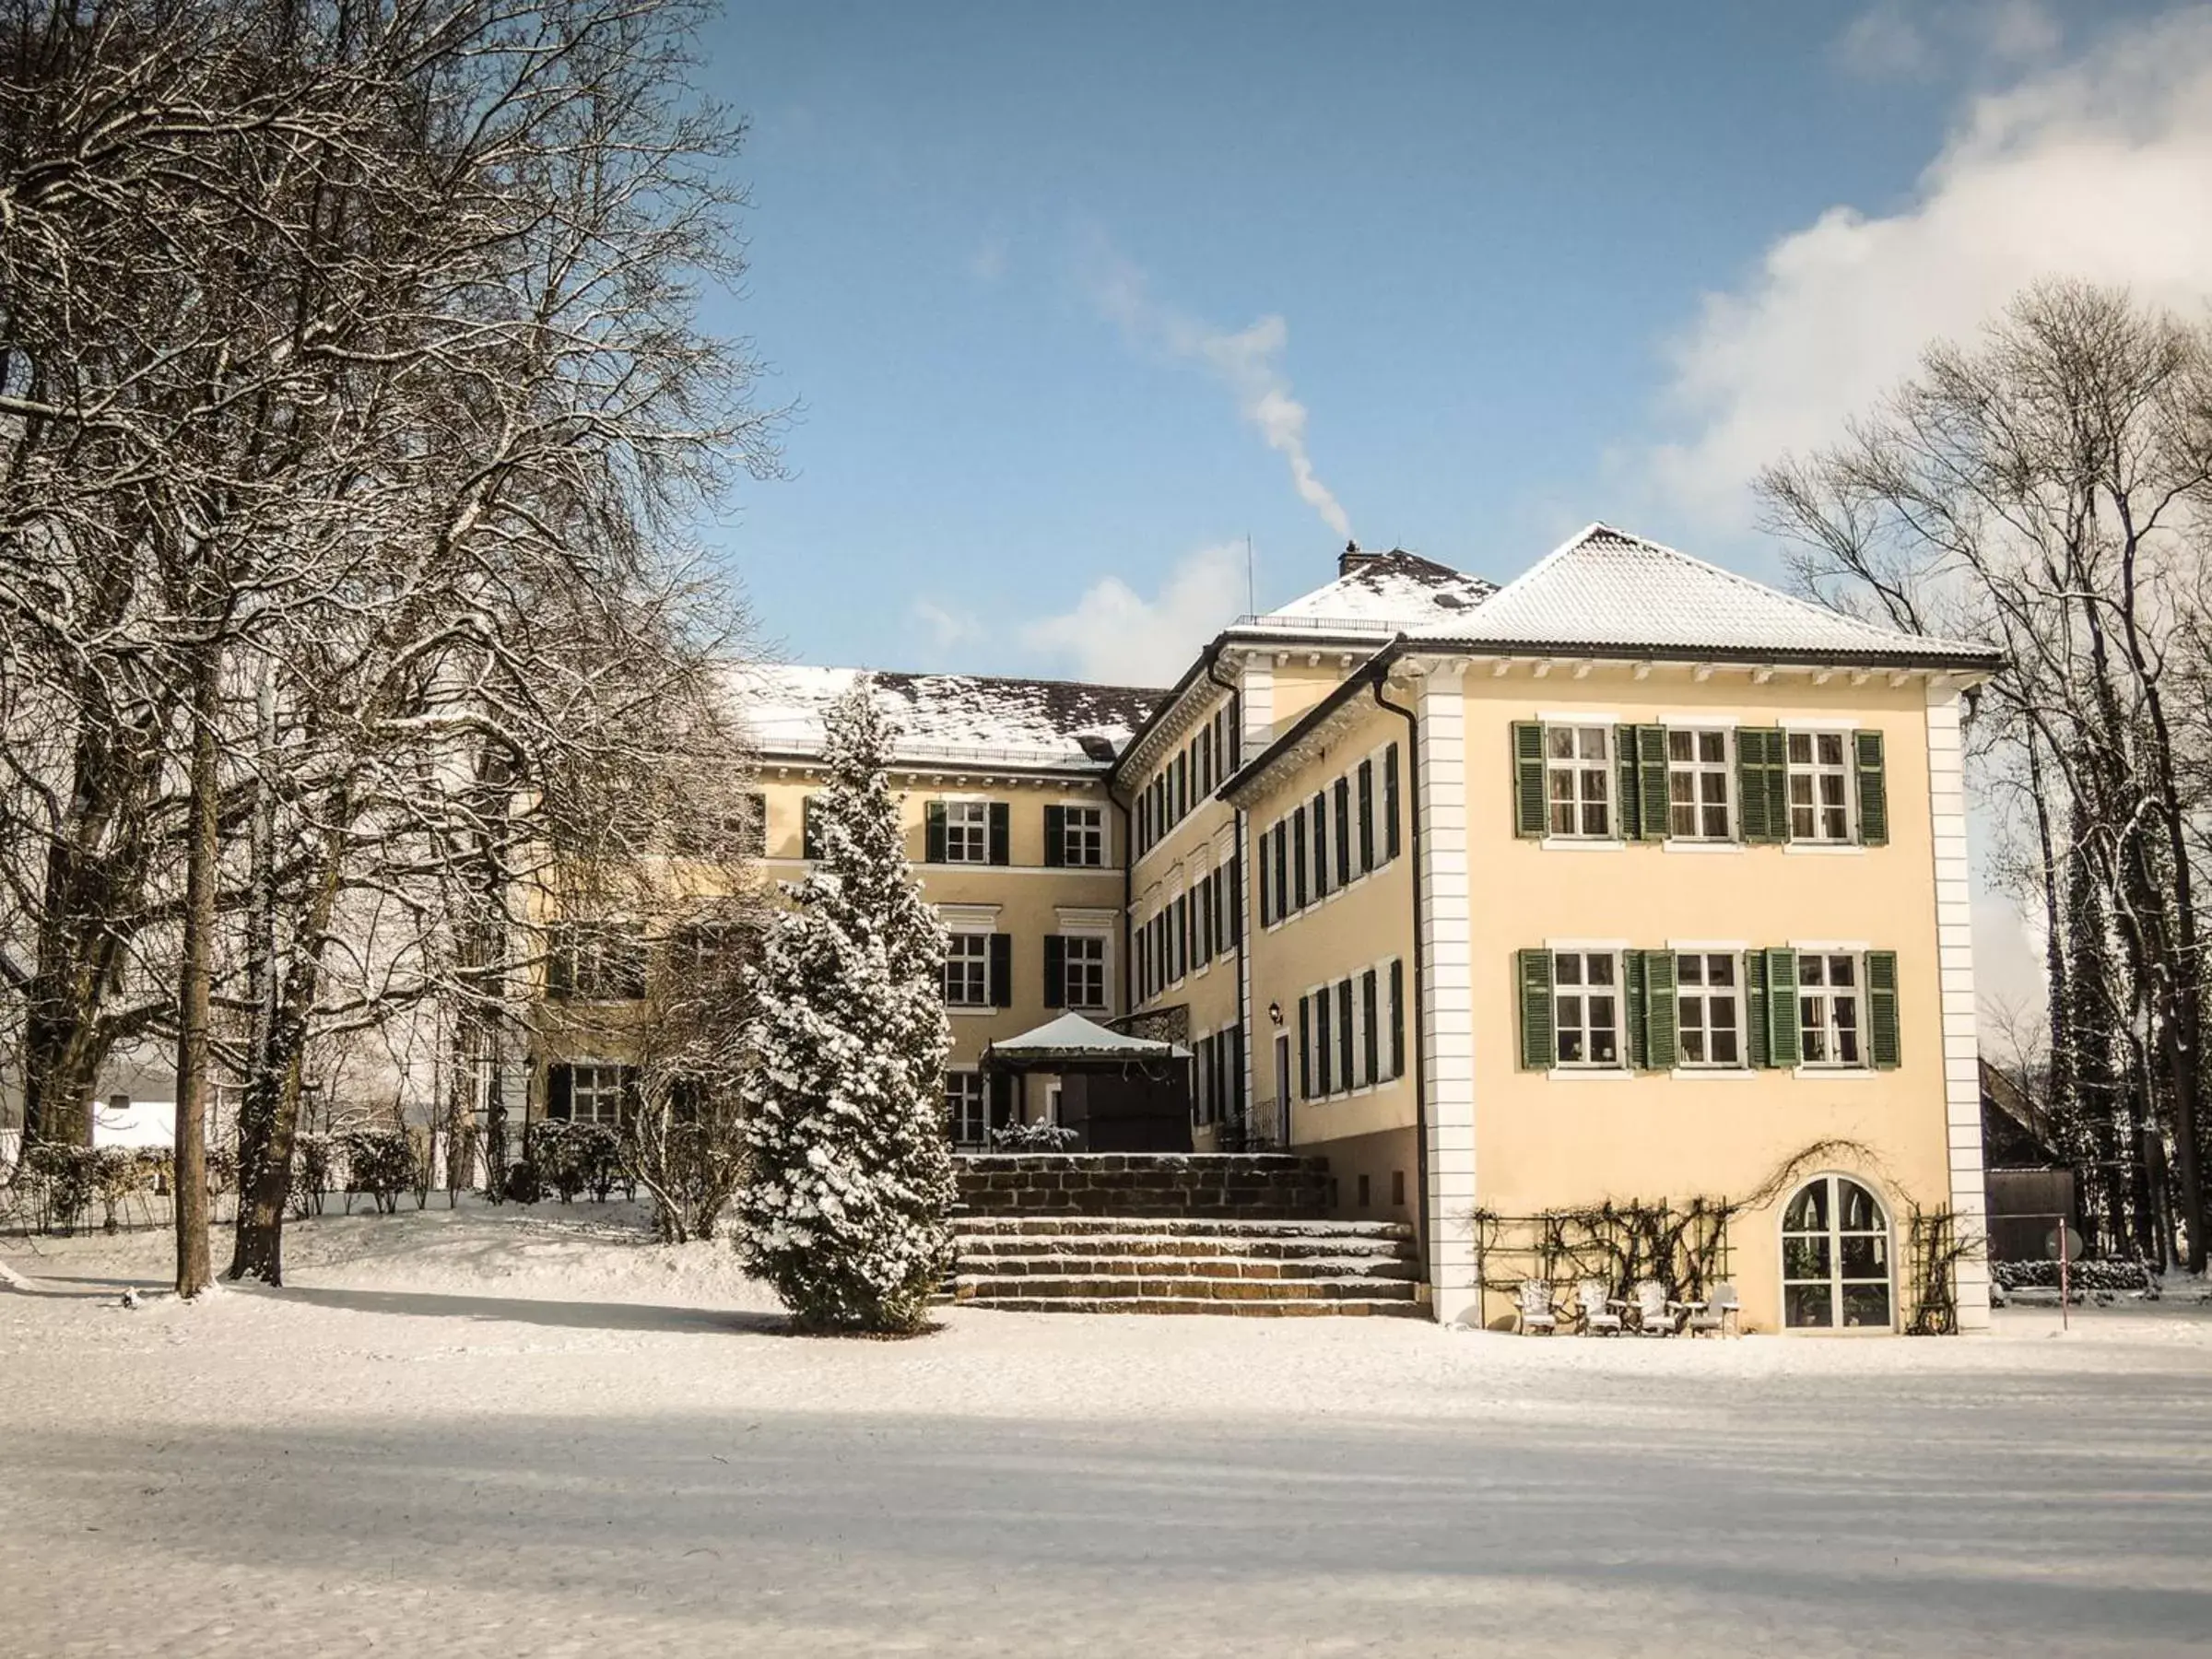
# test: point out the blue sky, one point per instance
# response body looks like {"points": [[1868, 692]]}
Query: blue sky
{"points": [[1528, 266]]}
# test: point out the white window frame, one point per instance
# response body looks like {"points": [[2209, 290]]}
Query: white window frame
{"points": [[1082, 837], [970, 954], [1834, 1234], [967, 1105], [1069, 969], [967, 825], [1703, 992], [1817, 1011], [1578, 771], [1813, 771], [595, 1093], [1616, 988], [1699, 770]]}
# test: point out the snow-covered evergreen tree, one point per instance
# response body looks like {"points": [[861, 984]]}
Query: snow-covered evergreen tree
{"points": [[844, 1208]]}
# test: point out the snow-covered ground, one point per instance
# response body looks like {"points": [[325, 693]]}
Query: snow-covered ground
{"points": [[523, 1433]]}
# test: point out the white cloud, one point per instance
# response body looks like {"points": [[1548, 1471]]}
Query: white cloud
{"points": [[1248, 361], [1115, 635], [1894, 41], [2100, 168], [947, 627]]}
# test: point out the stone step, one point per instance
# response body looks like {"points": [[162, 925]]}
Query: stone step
{"points": [[1188, 1267], [970, 1288], [1348, 1307], [975, 1226], [1047, 1245]]}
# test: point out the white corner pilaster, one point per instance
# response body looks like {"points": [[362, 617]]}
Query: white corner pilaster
{"points": [[1447, 994], [1255, 684], [1955, 963]]}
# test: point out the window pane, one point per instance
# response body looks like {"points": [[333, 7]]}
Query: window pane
{"points": [[1712, 747], [1690, 971], [1680, 745], [1571, 1046], [1567, 970], [1864, 1257], [1720, 970], [1724, 1051], [1862, 1212], [1808, 1210], [1866, 1305], [1601, 970], [1801, 748], [1805, 1257], [1807, 1307], [1562, 742], [1831, 748]]}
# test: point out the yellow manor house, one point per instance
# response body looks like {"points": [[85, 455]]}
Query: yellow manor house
{"points": [[1631, 882]]}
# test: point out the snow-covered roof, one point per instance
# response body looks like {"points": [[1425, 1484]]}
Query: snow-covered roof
{"points": [[1379, 594], [1604, 589], [1073, 1037], [948, 718]]}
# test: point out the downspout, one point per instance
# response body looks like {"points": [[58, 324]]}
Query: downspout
{"points": [[1421, 971], [1236, 723]]}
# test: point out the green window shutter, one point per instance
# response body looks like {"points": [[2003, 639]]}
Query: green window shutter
{"points": [[1539, 1046], [1874, 789], [1778, 785], [1055, 836], [1628, 818], [1782, 1045], [1751, 784], [1762, 787], [1528, 778], [1390, 803], [1002, 833], [932, 835], [1755, 1011], [1055, 971], [1631, 967], [1398, 1017], [560, 1082], [1661, 1029], [810, 833], [1002, 971], [1881, 1008], [1305, 1048], [1651, 776]]}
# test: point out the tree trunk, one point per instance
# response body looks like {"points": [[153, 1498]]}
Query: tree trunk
{"points": [[195, 1014]]}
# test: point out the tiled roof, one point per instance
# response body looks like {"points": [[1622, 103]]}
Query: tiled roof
{"points": [[952, 718], [1381, 594], [1607, 590]]}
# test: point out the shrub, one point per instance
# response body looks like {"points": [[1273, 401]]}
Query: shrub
{"points": [[575, 1157], [380, 1162], [62, 1179], [2138, 1278], [314, 1169], [1034, 1138], [114, 1174], [520, 1183]]}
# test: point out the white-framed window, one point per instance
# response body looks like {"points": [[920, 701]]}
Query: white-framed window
{"points": [[596, 1094], [1835, 1258], [1709, 1005], [967, 832], [1819, 786], [1083, 830], [1578, 771], [1586, 1007], [967, 1108], [967, 971], [1828, 1027], [1697, 784], [1086, 957]]}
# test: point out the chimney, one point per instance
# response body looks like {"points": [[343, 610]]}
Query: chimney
{"points": [[1354, 558]]}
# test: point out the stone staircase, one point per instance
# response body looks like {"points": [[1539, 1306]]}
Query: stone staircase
{"points": [[1082, 1264]]}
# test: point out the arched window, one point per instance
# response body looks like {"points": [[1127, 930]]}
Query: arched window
{"points": [[1835, 1257]]}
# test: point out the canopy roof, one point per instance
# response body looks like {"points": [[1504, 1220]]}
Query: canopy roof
{"points": [[1073, 1040]]}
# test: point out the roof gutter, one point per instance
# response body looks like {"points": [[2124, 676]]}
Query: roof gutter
{"points": [[1421, 968]]}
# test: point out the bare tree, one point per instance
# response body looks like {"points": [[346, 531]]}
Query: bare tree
{"points": [[2047, 488]]}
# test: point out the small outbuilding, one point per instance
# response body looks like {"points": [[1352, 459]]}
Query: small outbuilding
{"points": [[1118, 1093]]}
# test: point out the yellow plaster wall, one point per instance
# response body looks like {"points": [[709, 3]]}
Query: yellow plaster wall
{"points": [[1356, 928], [1543, 1142]]}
